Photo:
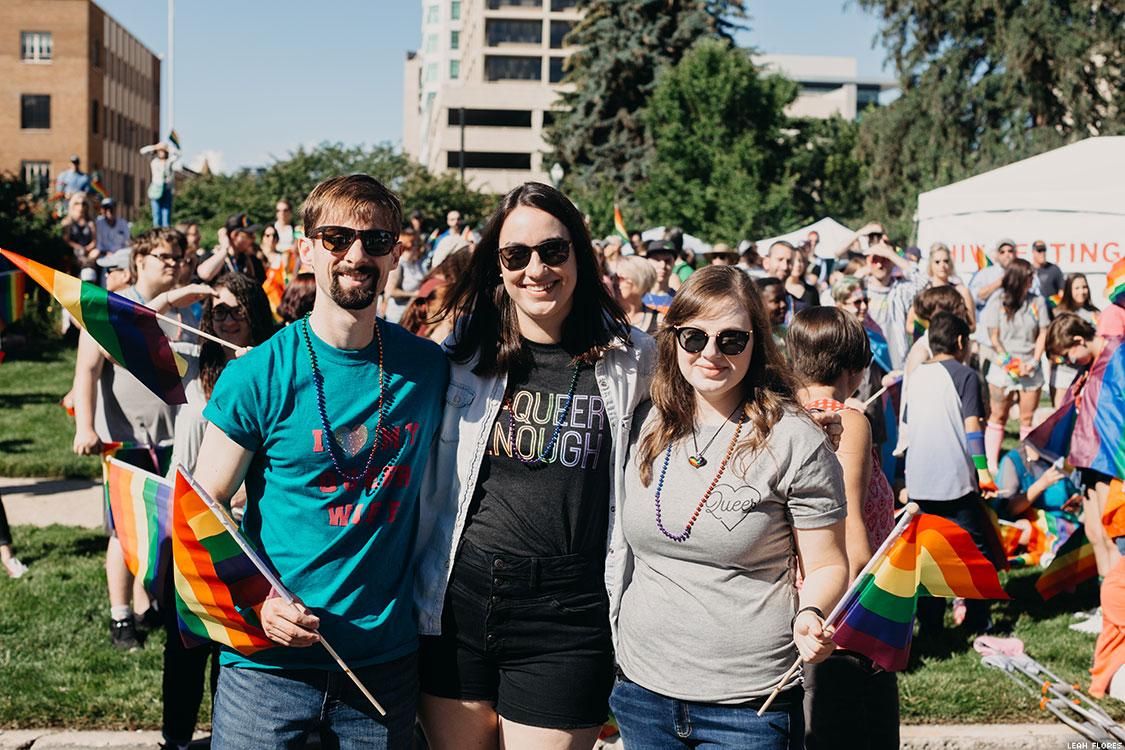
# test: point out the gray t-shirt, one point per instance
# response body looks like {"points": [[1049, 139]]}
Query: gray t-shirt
{"points": [[709, 619], [1018, 333]]}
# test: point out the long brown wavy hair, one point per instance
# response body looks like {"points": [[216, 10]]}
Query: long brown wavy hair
{"points": [[1015, 285], [252, 298], [768, 387]]}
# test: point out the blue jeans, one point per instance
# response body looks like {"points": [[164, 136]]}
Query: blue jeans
{"points": [[650, 721], [259, 708], [162, 209]]}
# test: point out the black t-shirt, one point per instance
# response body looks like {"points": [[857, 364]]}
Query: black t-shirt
{"points": [[1051, 280], [809, 298], [559, 506]]}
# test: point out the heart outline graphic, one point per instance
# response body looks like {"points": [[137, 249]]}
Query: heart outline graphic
{"points": [[725, 493]]}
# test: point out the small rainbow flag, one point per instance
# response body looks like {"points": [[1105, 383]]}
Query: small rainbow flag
{"points": [[933, 557], [1053, 301], [126, 330], [140, 506], [174, 138], [220, 581], [619, 223], [99, 188], [981, 258], [1115, 282], [920, 328], [880, 350], [1073, 564], [13, 296]]}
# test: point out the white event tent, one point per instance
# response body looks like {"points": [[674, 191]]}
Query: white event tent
{"points": [[833, 235]]}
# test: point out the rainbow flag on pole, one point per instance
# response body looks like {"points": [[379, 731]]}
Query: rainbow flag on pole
{"points": [[1115, 282], [932, 557], [220, 581], [619, 223], [981, 258], [99, 188], [126, 330], [13, 296], [141, 508]]}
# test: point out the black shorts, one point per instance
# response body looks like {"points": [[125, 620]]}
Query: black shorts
{"points": [[1091, 477], [529, 634]]}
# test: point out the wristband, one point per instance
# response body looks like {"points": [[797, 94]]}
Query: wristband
{"points": [[815, 610]]}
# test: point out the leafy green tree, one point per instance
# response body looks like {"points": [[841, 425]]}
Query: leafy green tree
{"points": [[600, 135], [826, 172], [718, 167], [985, 83]]}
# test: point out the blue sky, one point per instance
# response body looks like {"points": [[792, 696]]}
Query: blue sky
{"points": [[255, 80]]}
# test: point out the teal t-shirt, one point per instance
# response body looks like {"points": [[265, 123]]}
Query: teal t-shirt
{"points": [[344, 548]]}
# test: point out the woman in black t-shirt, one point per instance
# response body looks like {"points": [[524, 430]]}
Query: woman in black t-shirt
{"points": [[545, 375]]}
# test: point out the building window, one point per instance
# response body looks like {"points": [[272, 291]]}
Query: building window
{"points": [[96, 53], [455, 40], [454, 69], [433, 14], [35, 46], [816, 87], [501, 31], [488, 160], [431, 43], [510, 68], [492, 118], [95, 116], [455, 10], [129, 196], [556, 70], [431, 72], [36, 175], [501, 4], [560, 5], [559, 30], [35, 111], [866, 96]]}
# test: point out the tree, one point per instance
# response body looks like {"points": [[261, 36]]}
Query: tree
{"points": [[599, 135], [984, 84], [718, 166], [827, 174]]}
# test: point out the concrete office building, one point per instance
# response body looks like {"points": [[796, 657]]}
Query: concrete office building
{"points": [[487, 76], [74, 81]]}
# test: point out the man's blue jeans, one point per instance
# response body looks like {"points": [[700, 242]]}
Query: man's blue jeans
{"points": [[650, 721], [281, 708]]}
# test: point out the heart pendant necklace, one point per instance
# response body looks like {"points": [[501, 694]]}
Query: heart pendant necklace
{"points": [[697, 460]]}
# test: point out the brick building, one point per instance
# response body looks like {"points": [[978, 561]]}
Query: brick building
{"points": [[75, 81]]}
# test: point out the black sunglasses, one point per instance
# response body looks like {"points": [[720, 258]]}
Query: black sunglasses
{"points": [[219, 313], [731, 342], [338, 239], [554, 252]]}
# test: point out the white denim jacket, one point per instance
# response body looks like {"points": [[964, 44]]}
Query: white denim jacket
{"points": [[472, 403]]}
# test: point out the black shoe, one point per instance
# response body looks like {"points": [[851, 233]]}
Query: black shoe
{"points": [[150, 620], [123, 634]]}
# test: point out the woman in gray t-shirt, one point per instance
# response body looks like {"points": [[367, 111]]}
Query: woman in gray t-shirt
{"points": [[729, 488]]}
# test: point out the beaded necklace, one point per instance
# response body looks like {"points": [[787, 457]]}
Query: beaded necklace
{"points": [[330, 438], [686, 533], [541, 456]]}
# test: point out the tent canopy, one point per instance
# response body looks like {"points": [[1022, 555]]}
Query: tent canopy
{"points": [[833, 236]]}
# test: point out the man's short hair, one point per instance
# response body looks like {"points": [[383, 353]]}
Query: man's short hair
{"points": [[824, 343], [782, 243], [944, 331], [358, 195]]}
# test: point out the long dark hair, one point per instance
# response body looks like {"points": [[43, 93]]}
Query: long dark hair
{"points": [[490, 326], [252, 298], [768, 386], [1067, 303], [1015, 285]]}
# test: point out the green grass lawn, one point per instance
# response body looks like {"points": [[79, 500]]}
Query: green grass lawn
{"points": [[58, 669], [35, 432]]}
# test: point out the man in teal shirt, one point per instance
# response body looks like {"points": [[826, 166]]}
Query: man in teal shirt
{"points": [[329, 425]]}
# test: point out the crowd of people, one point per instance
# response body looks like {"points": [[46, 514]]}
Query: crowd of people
{"points": [[576, 468]]}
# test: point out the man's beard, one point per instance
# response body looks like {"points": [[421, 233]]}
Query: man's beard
{"points": [[358, 298]]}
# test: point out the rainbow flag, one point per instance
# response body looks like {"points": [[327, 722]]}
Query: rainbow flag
{"points": [[126, 330], [619, 223], [1051, 438], [274, 287], [174, 138], [920, 328], [880, 351], [981, 258], [220, 581], [140, 508], [1073, 564], [1052, 302], [13, 296], [99, 188], [1115, 282], [933, 557]]}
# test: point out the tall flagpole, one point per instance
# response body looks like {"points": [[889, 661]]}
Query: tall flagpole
{"points": [[171, 65]]}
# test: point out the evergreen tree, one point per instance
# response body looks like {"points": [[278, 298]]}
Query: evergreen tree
{"points": [[599, 135], [984, 83]]}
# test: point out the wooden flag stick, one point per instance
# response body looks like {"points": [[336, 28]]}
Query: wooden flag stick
{"points": [[196, 331], [278, 586], [911, 510], [874, 397]]}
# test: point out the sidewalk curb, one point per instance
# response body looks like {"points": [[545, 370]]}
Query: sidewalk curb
{"points": [[965, 736]]}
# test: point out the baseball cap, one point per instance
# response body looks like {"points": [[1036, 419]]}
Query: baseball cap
{"points": [[660, 247], [74, 159], [1006, 241], [913, 253], [117, 260], [108, 203], [241, 223], [1039, 245]]}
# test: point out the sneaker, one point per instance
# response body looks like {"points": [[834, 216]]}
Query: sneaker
{"points": [[15, 568], [123, 635], [150, 620], [1093, 626], [1086, 614]]}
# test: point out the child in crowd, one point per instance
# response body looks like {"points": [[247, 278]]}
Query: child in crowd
{"points": [[944, 413], [777, 308]]}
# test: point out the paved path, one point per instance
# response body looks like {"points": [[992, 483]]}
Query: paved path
{"points": [[42, 502]]}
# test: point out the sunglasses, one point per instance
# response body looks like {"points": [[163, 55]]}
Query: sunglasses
{"points": [[337, 240], [859, 301], [220, 313], [168, 259], [554, 252], [730, 342]]}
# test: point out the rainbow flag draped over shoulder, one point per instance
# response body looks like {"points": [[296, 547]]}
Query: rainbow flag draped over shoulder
{"points": [[13, 296], [1115, 282], [126, 330], [141, 509], [219, 580], [932, 557]]}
